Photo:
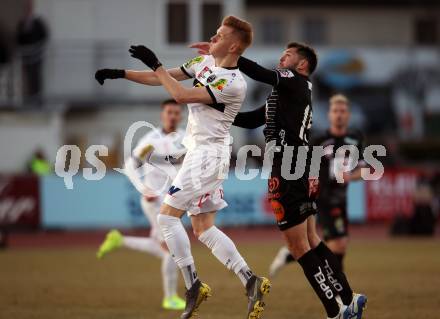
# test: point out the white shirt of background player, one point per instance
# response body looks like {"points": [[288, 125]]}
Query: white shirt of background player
{"points": [[154, 177]]}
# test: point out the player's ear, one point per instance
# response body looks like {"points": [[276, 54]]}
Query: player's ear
{"points": [[235, 47], [303, 64]]}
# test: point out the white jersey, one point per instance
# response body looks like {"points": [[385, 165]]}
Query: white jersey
{"points": [[158, 175], [209, 125]]}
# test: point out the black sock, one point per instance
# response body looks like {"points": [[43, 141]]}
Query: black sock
{"points": [[341, 260], [290, 258], [334, 272], [314, 272]]}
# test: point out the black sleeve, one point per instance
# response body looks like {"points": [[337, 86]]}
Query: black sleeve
{"points": [[257, 72], [290, 81], [252, 119]]}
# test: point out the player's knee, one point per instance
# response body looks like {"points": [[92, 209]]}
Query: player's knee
{"points": [[170, 211], [164, 246], [338, 245], [298, 248], [342, 245], [201, 223], [197, 231], [167, 220], [313, 238], [161, 220]]}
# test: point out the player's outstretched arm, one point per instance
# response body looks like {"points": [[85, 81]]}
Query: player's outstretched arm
{"points": [[257, 72], [150, 78], [252, 119], [180, 93], [142, 77]]}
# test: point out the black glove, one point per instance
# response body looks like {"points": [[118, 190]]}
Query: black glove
{"points": [[103, 74], [145, 55]]}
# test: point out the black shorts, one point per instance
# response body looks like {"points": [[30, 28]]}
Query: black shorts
{"points": [[289, 199], [333, 220]]}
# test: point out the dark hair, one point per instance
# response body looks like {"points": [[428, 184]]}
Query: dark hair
{"points": [[307, 53], [169, 101]]}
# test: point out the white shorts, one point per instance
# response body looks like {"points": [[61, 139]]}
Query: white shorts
{"points": [[151, 210], [197, 187]]}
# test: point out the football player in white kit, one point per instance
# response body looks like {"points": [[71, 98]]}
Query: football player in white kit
{"points": [[213, 102], [156, 179]]}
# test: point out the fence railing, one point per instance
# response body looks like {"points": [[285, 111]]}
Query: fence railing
{"points": [[11, 89]]}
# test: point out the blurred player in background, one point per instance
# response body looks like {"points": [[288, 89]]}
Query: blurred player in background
{"points": [[213, 102], [332, 199], [166, 142], [287, 116]]}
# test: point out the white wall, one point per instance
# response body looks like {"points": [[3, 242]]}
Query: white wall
{"points": [[91, 34], [22, 134]]}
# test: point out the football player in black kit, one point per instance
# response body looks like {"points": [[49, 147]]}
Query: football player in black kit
{"points": [[332, 199], [287, 116]]}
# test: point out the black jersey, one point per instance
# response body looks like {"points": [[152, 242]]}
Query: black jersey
{"points": [[331, 192], [289, 109], [287, 114]]}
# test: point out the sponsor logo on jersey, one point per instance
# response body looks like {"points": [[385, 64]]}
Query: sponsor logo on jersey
{"points": [[220, 84], [286, 73], [193, 61], [211, 78], [173, 189], [202, 74]]}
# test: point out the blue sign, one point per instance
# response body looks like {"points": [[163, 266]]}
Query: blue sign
{"points": [[110, 202], [114, 202]]}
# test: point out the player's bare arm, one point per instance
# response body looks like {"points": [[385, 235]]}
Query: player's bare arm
{"points": [[150, 77], [180, 93], [141, 77]]}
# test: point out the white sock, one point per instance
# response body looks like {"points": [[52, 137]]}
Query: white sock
{"points": [[144, 244], [169, 276], [224, 249], [179, 246]]}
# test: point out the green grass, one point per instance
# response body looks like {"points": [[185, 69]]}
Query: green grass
{"points": [[401, 278]]}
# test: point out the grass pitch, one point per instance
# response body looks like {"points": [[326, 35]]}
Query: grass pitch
{"points": [[400, 277]]}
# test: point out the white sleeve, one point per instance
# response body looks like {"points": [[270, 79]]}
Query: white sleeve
{"points": [[177, 148], [189, 68], [132, 171]]}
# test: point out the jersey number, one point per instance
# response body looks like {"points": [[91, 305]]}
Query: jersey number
{"points": [[306, 124]]}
